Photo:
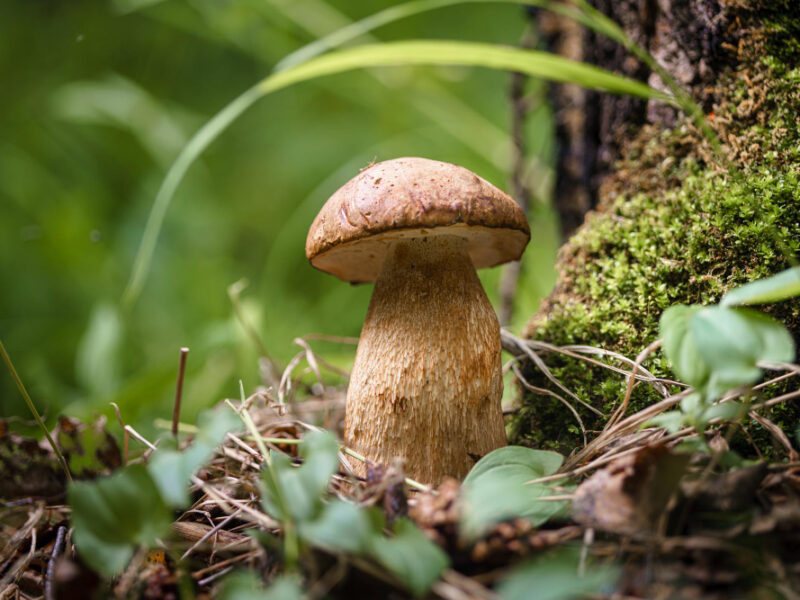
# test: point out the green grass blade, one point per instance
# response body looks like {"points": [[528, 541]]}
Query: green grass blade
{"points": [[437, 52], [423, 52], [190, 152], [32, 407]]}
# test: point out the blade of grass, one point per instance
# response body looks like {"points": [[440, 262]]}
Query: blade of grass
{"points": [[199, 142], [62, 461], [433, 52], [475, 54]]}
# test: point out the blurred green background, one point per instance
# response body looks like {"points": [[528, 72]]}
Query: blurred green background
{"points": [[100, 96]]}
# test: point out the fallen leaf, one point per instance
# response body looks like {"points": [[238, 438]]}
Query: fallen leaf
{"points": [[629, 494]]}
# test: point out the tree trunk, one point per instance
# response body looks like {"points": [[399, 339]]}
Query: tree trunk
{"points": [[693, 39]]}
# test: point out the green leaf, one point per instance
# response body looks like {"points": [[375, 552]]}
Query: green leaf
{"points": [[555, 577], [782, 286], [497, 489], [680, 347], [725, 411], [97, 360], [245, 585], [673, 421], [171, 469], [733, 340], [114, 514], [341, 527], [409, 555], [538, 462], [296, 492]]}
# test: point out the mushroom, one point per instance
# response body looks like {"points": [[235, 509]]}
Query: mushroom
{"points": [[427, 383]]}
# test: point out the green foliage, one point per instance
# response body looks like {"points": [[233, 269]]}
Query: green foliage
{"points": [[715, 349], [408, 554], [497, 488], [779, 287], [171, 469], [245, 585], [554, 576], [113, 515], [295, 496], [97, 360]]}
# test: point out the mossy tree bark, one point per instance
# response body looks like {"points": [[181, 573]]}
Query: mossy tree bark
{"points": [[669, 219]]}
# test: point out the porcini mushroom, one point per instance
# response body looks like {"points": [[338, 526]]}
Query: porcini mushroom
{"points": [[426, 384]]}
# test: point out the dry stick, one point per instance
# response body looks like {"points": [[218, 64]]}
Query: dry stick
{"points": [[537, 360], [19, 536], [126, 434], [582, 348], [336, 339], [225, 563], [176, 409], [138, 436], [514, 345], [226, 502], [285, 383], [643, 416], [13, 575], [49, 592], [546, 392], [210, 532], [455, 586], [573, 351], [631, 382], [32, 408], [215, 576], [625, 426]]}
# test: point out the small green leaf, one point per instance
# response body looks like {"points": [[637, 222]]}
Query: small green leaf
{"points": [[733, 340], [172, 469], [97, 361], [539, 462], [342, 527], [724, 411], [497, 489], [114, 514], [680, 347], [555, 577], [295, 493], [245, 585], [412, 557], [782, 286], [673, 421]]}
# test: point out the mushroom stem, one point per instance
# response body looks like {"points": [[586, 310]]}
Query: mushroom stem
{"points": [[427, 380]]}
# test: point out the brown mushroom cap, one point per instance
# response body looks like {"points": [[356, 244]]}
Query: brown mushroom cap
{"points": [[413, 197]]}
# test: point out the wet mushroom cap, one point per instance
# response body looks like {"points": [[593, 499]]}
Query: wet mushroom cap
{"points": [[408, 198]]}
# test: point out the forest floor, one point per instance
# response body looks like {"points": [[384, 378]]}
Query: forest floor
{"points": [[649, 514]]}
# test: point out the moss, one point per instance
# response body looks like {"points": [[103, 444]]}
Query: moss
{"points": [[677, 225]]}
